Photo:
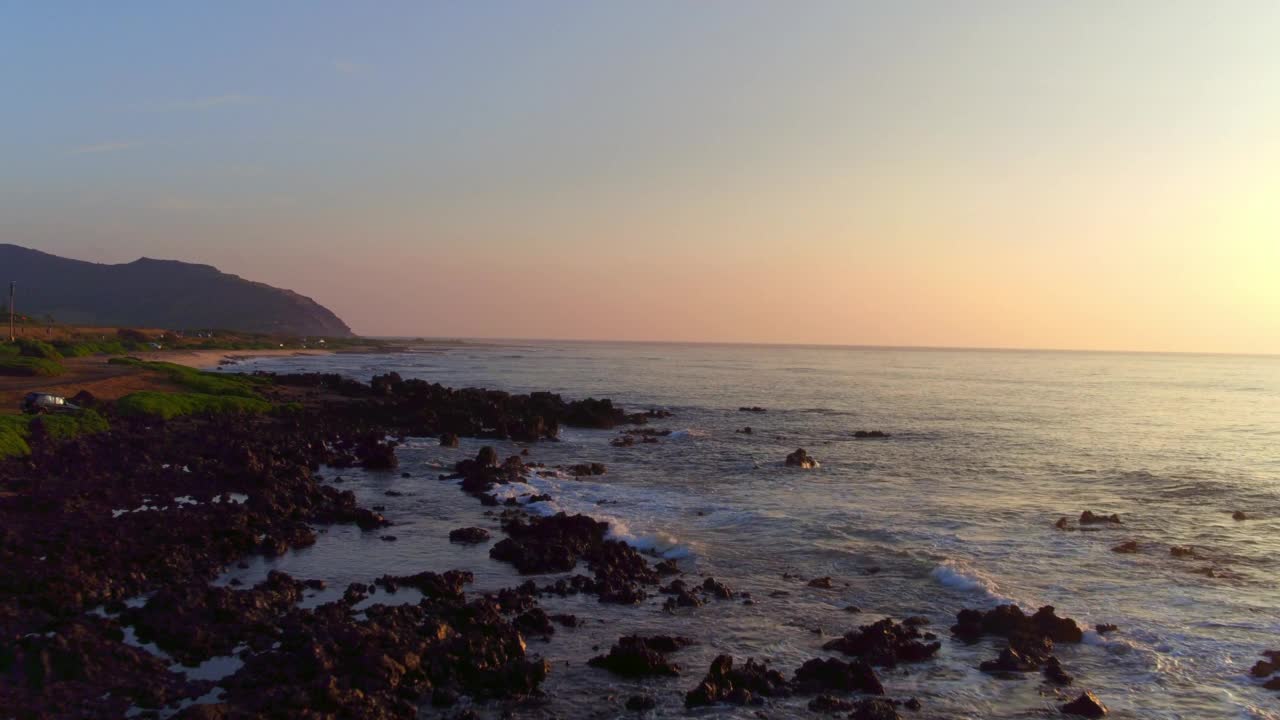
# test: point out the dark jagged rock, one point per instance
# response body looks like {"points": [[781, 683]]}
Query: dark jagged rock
{"points": [[469, 535], [487, 457], [1239, 515], [753, 409], [1088, 517], [746, 430], [885, 643], [801, 459], [1010, 661], [667, 567], [714, 587], [196, 622], [443, 586], [81, 668], [830, 705], [448, 440], [683, 596], [1182, 551], [556, 543], [747, 684], [1055, 674], [1127, 547], [1009, 621], [374, 453], [1266, 667], [534, 622], [566, 620], [828, 674], [638, 656], [587, 469], [874, 709], [1104, 628], [822, 583], [1087, 705], [870, 434]]}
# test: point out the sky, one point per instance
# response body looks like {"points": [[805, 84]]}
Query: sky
{"points": [[1086, 175]]}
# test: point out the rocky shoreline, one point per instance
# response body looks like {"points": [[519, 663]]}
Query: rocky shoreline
{"points": [[80, 574]]}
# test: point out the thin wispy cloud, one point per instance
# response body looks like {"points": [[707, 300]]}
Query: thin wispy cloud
{"points": [[196, 104], [105, 147]]}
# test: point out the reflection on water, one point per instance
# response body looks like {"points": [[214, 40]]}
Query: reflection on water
{"points": [[955, 510]]}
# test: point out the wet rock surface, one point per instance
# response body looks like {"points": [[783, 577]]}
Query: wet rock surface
{"points": [[469, 535], [639, 656], [1086, 705], [746, 684], [801, 459], [886, 643]]}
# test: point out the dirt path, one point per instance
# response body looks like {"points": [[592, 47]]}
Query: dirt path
{"points": [[89, 373]]}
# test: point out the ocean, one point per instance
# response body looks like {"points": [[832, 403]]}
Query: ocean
{"points": [[956, 509]]}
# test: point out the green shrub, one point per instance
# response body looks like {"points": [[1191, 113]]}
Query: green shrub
{"points": [[84, 349], [37, 349], [30, 367], [171, 405], [14, 430], [65, 426], [199, 381]]}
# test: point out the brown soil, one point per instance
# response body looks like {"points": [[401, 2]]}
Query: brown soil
{"points": [[105, 381]]}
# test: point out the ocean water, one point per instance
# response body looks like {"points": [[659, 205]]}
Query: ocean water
{"points": [[956, 510]]}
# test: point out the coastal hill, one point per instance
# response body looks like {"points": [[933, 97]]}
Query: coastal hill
{"points": [[160, 294]]}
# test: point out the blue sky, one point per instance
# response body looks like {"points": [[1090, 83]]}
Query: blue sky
{"points": [[905, 173]]}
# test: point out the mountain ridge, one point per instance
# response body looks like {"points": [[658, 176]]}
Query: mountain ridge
{"points": [[150, 292]]}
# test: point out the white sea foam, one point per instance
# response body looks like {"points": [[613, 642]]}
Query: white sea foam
{"points": [[956, 575], [576, 496]]}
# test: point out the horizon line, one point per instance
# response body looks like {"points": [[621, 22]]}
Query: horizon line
{"points": [[814, 345]]}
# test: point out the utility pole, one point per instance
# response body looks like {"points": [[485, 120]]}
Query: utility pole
{"points": [[12, 284]]}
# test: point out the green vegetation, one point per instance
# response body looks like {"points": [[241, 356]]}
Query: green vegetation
{"points": [[29, 366], [15, 430], [199, 381], [85, 349], [65, 426], [171, 405], [37, 349]]}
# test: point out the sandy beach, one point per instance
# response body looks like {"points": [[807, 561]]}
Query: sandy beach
{"points": [[209, 359]]}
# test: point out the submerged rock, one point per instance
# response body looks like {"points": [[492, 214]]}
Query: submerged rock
{"points": [[801, 459], [1009, 621], [639, 656], [874, 709], [640, 703], [747, 684], [886, 643], [1127, 547], [469, 535], [1088, 517], [827, 674], [829, 704], [1054, 673], [1087, 705], [870, 434]]}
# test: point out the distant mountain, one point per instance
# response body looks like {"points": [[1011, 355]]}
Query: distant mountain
{"points": [[159, 294]]}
